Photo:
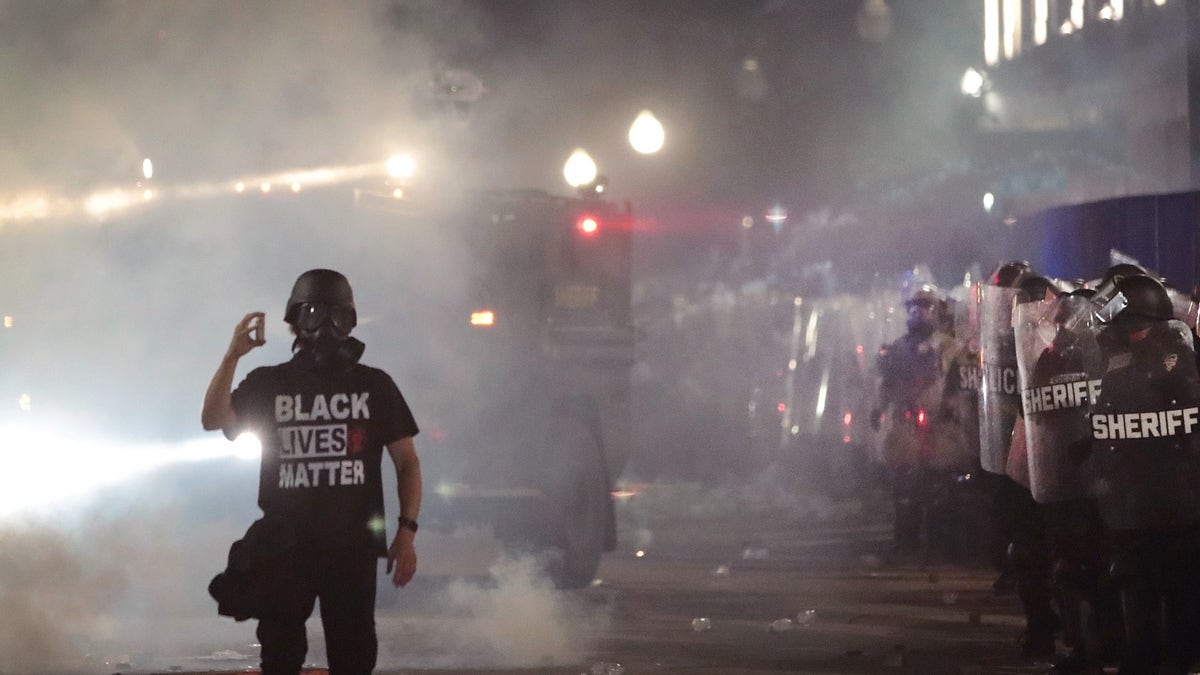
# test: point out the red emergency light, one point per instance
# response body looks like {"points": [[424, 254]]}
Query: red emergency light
{"points": [[587, 225]]}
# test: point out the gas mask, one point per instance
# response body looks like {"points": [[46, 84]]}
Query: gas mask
{"points": [[323, 334], [922, 317]]}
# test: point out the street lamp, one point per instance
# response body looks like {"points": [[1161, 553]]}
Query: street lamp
{"points": [[646, 134], [973, 83], [580, 169], [401, 166]]}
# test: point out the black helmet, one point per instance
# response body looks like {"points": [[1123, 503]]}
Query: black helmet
{"points": [[321, 286], [1035, 286], [923, 294], [1006, 273], [1147, 297], [1122, 270]]}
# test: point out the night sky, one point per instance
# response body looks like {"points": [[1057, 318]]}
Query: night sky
{"points": [[762, 101]]}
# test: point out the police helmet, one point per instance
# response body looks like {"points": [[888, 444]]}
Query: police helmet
{"points": [[1122, 270], [1034, 287], [926, 295], [1007, 272], [1147, 297], [322, 287]]}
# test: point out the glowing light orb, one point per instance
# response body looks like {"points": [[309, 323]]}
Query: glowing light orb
{"points": [[401, 166], [972, 83], [646, 134], [580, 169], [247, 447]]}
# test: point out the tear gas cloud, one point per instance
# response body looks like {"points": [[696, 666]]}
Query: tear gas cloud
{"points": [[118, 322], [123, 581]]}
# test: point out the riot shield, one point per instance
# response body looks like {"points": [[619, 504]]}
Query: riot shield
{"points": [[961, 394], [1145, 431], [999, 387], [1060, 366]]}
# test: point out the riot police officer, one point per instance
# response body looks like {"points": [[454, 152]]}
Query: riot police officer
{"points": [[1145, 443], [1060, 375], [1020, 528], [1023, 519], [912, 371]]}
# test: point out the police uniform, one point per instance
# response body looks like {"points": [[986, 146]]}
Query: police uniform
{"points": [[1144, 432], [1020, 523], [912, 370], [1063, 382], [323, 431]]}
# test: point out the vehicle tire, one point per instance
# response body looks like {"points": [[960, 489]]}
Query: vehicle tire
{"points": [[580, 499]]}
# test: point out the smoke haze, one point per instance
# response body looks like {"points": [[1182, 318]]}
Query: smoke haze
{"points": [[119, 320]]}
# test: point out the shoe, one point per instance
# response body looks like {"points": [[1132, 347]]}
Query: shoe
{"points": [[1005, 584], [1038, 645], [1076, 663]]}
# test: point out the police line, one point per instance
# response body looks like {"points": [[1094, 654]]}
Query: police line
{"points": [[1110, 426]]}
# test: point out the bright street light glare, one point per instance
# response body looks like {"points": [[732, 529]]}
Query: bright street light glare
{"points": [[77, 465], [580, 169], [147, 168], [972, 83], [247, 447], [401, 166], [646, 134]]}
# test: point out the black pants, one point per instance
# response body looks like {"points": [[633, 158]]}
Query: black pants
{"points": [[927, 512], [1085, 593], [1157, 571], [1023, 524], [344, 581], [909, 502]]}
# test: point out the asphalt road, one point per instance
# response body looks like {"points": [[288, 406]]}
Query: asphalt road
{"points": [[822, 565], [688, 554]]}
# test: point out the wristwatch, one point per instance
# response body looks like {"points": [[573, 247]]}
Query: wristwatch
{"points": [[408, 522]]}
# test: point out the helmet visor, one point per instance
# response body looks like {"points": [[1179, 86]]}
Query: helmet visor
{"points": [[311, 316]]}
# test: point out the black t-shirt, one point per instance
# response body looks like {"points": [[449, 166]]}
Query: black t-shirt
{"points": [[323, 434]]}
